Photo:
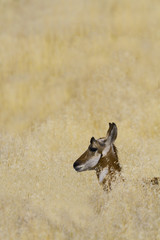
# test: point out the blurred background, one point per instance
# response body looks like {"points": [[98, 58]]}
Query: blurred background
{"points": [[67, 68]]}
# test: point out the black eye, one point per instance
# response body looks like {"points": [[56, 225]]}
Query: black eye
{"points": [[93, 149]]}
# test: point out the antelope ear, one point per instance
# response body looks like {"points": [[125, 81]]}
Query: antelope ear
{"points": [[110, 138], [112, 132]]}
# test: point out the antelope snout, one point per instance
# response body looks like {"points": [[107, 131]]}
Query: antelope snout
{"points": [[77, 166]]}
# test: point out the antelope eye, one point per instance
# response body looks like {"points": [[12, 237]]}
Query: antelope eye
{"points": [[93, 149]]}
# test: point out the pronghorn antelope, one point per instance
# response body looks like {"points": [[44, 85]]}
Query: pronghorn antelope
{"points": [[102, 157]]}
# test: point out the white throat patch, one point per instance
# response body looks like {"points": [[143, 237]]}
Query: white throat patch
{"points": [[105, 151], [102, 174]]}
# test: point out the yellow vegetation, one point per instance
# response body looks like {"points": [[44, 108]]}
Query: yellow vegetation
{"points": [[67, 68]]}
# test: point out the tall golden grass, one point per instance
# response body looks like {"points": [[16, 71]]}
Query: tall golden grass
{"points": [[67, 68]]}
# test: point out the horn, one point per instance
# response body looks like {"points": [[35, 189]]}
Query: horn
{"points": [[92, 140]]}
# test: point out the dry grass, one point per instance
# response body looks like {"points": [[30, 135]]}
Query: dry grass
{"points": [[67, 68]]}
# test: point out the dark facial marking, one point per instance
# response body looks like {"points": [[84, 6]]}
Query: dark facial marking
{"points": [[92, 149]]}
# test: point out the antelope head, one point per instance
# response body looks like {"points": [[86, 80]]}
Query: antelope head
{"points": [[97, 150]]}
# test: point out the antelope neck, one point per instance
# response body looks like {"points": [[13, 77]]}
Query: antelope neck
{"points": [[109, 162]]}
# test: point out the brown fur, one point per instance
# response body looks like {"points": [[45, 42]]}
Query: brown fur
{"points": [[109, 160], [114, 168]]}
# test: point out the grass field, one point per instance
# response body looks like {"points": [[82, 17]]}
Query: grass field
{"points": [[67, 68]]}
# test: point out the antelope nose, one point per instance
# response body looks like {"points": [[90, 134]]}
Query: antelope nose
{"points": [[75, 164]]}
